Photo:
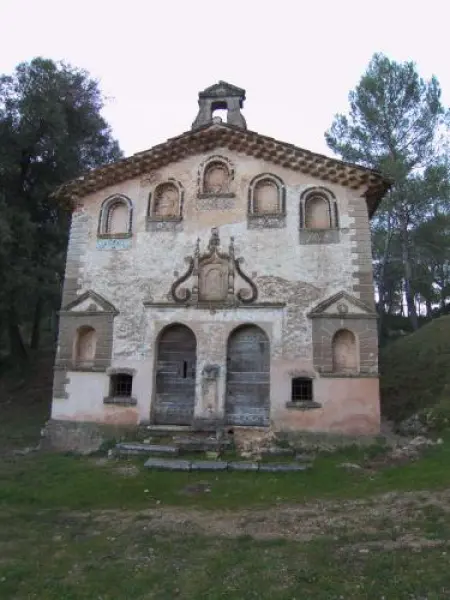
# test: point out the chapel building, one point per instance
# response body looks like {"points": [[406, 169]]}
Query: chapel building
{"points": [[221, 278]]}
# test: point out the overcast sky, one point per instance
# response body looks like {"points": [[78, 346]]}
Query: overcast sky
{"points": [[297, 60]]}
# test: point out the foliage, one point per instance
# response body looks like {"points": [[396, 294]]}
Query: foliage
{"points": [[437, 417], [51, 130], [397, 124], [415, 371]]}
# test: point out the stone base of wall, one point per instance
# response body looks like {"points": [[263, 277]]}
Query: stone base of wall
{"points": [[80, 437]]}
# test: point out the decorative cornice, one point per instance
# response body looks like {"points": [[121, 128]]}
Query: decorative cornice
{"points": [[359, 375], [213, 305], [352, 316], [373, 184]]}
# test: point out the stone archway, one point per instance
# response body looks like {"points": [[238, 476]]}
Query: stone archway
{"points": [[247, 399], [175, 376]]}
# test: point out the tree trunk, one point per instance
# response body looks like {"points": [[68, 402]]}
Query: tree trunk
{"points": [[381, 309], [17, 347], [429, 308], [442, 299], [382, 286], [411, 306], [36, 331]]}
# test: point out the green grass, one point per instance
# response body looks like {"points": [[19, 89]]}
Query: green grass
{"points": [[42, 480], [415, 370], [54, 556], [89, 528]]}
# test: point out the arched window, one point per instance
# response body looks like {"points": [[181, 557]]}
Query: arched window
{"points": [[215, 176], [266, 196], [318, 210], [317, 213], [166, 203], [345, 355], [115, 217], [85, 346]]}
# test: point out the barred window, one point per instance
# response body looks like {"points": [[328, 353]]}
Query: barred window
{"points": [[301, 389], [121, 385]]}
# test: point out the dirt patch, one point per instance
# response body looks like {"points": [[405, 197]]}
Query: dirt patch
{"points": [[372, 517]]}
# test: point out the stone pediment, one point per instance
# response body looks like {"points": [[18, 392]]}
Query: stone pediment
{"points": [[342, 305], [213, 278], [222, 89], [90, 302]]}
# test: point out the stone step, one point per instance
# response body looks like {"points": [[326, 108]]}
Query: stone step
{"points": [[173, 445], [174, 464], [137, 448], [164, 430], [168, 464], [277, 451], [199, 444]]}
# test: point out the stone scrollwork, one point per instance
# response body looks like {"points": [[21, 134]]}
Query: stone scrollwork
{"points": [[182, 294], [213, 277]]}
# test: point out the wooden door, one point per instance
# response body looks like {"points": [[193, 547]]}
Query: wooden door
{"points": [[248, 377], [175, 377]]}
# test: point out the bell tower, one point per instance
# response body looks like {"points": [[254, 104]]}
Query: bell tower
{"points": [[221, 95]]}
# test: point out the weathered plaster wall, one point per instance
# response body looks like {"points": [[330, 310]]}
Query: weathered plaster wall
{"points": [[349, 405], [85, 392], [301, 275]]}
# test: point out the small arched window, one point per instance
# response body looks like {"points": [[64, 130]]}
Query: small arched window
{"points": [[115, 217], [266, 196], [215, 176], [318, 210], [85, 346], [317, 213], [166, 203], [345, 355]]}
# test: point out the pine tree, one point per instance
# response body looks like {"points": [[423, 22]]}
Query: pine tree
{"points": [[393, 125]]}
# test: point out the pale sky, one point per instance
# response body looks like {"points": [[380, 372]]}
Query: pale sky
{"points": [[297, 60]]}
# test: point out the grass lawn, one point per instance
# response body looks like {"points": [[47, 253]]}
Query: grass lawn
{"points": [[91, 528]]}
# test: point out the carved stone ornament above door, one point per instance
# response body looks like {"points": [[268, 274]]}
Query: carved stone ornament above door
{"points": [[213, 277]]}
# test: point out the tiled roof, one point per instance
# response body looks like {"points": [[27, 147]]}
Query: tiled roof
{"points": [[374, 185]]}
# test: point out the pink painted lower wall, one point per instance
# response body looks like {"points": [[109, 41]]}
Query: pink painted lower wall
{"points": [[349, 406]]}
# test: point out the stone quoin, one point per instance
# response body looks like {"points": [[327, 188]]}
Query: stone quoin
{"points": [[221, 278]]}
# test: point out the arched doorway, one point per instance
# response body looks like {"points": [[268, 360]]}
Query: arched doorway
{"points": [[248, 377], [175, 376]]}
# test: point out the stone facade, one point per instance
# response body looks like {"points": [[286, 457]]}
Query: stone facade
{"points": [[203, 251]]}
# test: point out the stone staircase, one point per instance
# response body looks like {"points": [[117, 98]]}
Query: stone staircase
{"points": [[183, 449]]}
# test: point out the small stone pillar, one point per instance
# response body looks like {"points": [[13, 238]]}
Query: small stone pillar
{"points": [[210, 398]]}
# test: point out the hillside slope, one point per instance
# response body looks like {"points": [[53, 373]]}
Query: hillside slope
{"points": [[415, 370]]}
